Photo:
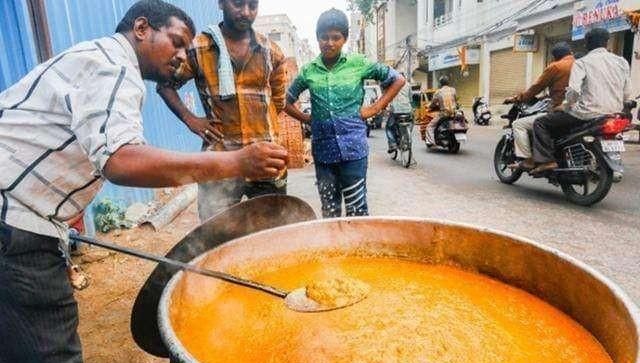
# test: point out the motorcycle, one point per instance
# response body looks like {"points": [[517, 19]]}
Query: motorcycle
{"points": [[450, 132], [481, 112], [589, 155]]}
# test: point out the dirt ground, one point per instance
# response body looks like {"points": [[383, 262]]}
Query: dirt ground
{"points": [[105, 306]]}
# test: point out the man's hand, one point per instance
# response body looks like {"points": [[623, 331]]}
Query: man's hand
{"points": [[207, 129], [511, 100], [369, 111], [262, 160]]}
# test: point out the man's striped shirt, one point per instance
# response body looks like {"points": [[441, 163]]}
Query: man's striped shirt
{"points": [[58, 127]]}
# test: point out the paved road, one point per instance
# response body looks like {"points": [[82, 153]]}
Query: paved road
{"points": [[463, 188]]}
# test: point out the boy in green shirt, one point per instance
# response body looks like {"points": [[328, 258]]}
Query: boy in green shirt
{"points": [[339, 144]]}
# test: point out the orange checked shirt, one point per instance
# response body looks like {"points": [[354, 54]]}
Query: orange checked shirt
{"points": [[252, 115]]}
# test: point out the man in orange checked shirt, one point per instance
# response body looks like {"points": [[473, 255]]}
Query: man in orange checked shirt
{"points": [[239, 112]]}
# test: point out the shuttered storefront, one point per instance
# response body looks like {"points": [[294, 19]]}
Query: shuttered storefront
{"points": [[508, 74], [466, 87]]}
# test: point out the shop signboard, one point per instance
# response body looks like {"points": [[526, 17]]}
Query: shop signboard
{"points": [[525, 43], [589, 14], [451, 58]]}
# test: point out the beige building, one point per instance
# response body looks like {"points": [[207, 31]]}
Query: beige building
{"points": [[362, 36], [391, 37], [281, 30]]}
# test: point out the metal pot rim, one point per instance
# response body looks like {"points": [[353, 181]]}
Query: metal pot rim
{"points": [[178, 350]]}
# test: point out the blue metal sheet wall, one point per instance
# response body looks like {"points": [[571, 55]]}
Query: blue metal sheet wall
{"points": [[73, 21], [17, 55]]}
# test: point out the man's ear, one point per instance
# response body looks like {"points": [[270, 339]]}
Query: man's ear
{"points": [[141, 28]]}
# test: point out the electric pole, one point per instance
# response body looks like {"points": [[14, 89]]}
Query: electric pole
{"points": [[409, 53]]}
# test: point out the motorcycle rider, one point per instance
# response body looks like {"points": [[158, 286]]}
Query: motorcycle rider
{"points": [[599, 84], [556, 78], [401, 105], [445, 101]]}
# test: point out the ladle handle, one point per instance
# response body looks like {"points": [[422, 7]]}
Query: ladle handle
{"points": [[184, 266]]}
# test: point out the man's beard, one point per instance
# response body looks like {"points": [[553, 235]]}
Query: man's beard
{"points": [[241, 25]]}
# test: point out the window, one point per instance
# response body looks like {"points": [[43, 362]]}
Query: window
{"points": [[275, 36], [442, 12]]}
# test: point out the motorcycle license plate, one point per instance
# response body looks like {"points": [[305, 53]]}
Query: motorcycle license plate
{"points": [[461, 137], [609, 146]]}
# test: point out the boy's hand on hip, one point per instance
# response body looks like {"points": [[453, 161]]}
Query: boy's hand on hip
{"points": [[368, 112]]}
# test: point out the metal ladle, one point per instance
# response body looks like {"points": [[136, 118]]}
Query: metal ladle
{"points": [[296, 300]]}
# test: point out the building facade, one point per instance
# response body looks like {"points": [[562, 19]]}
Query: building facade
{"points": [[363, 34], [391, 36], [281, 30], [505, 45]]}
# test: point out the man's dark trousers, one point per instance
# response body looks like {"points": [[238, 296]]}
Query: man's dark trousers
{"points": [[545, 129], [38, 313]]}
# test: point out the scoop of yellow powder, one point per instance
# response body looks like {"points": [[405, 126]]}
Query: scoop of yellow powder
{"points": [[342, 291]]}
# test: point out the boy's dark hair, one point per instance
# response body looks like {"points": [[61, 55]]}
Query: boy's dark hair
{"points": [[157, 13], [560, 50], [596, 38], [333, 19]]}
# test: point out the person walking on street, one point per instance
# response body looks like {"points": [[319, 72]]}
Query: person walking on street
{"points": [[598, 85], [68, 125], [339, 143], [401, 105], [241, 78], [556, 78]]}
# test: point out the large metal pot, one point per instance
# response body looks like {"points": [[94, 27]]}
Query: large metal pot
{"points": [[595, 302]]}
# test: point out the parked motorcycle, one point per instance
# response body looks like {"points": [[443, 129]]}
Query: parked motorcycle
{"points": [[481, 111], [450, 132], [589, 155]]}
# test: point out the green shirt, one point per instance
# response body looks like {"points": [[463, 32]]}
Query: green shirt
{"points": [[339, 134]]}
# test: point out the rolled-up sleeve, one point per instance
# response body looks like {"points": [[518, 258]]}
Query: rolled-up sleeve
{"points": [[108, 114], [278, 78], [298, 86], [380, 72]]}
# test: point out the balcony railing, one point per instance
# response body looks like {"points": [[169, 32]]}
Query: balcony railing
{"points": [[443, 20]]}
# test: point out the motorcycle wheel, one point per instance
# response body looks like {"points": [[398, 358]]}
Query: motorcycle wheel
{"points": [[595, 187], [502, 157], [454, 145]]}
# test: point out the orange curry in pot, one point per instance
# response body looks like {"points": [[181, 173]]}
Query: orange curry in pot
{"points": [[413, 312]]}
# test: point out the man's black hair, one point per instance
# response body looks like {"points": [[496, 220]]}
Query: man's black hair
{"points": [[444, 81], [158, 14], [560, 50], [596, 38], [333, 19]]}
